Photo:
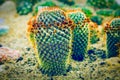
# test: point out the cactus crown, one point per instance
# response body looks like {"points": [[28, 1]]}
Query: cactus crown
{"points": [[115, 23], [77, 16], [53, 16]]}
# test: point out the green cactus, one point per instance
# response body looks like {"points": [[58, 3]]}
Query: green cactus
{"points": [[117, 13], [68, 2], [23, 7], [51, 38], [113, 37], [97, 19], [87, 11], [103, 4], [105, 12], [80, 34]]}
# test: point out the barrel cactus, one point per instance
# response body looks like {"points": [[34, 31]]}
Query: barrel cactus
{"points": [[80, 34], [113, 37], [50, 34]]}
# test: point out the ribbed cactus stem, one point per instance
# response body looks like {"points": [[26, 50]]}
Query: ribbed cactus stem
{"points": [[80, 34], [113, 37], [50, 35]]}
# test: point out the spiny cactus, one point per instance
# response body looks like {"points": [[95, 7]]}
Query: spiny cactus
{"points": [[23, 7], [105, 12], [50, 34], [80, 34], [113, 37]]}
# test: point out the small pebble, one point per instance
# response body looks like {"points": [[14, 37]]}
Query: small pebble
{"points": [[28, 49], [3, 29], [102, 63], [19, 59], [0, 45]]}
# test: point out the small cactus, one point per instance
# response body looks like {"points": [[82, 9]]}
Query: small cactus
{"points": [[105, 12], [113, 37], [97, 19], [117, 13], [80, 34], [87, 11], [103, 4], [24, 7], [50, 34]]}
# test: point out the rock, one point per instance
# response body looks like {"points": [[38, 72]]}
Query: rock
{"points": [[3, 29], [7, 54], [0, 45]]}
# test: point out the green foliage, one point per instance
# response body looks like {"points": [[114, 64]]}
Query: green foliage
{"points": [[113, 37], [105, 12], [97, 19]]}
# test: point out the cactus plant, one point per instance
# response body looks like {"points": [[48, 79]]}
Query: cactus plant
{"points": [[97, 19], [113, 37], [103, 4], [50, 34], [105, 12], [23, 7], [117, 13], [80, 34], [87, 11], [68, 2]]}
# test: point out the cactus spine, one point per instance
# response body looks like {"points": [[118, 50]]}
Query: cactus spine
{"points": [[113, 37], [50, 35], [80, 34]]}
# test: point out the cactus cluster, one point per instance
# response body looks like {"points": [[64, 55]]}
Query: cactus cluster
{"points": [[80, 34], [52, 33], [113, 37]]}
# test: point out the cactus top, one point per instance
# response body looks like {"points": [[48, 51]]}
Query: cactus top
{"points": [[113, 25], [77, 16], [53, 16]]}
